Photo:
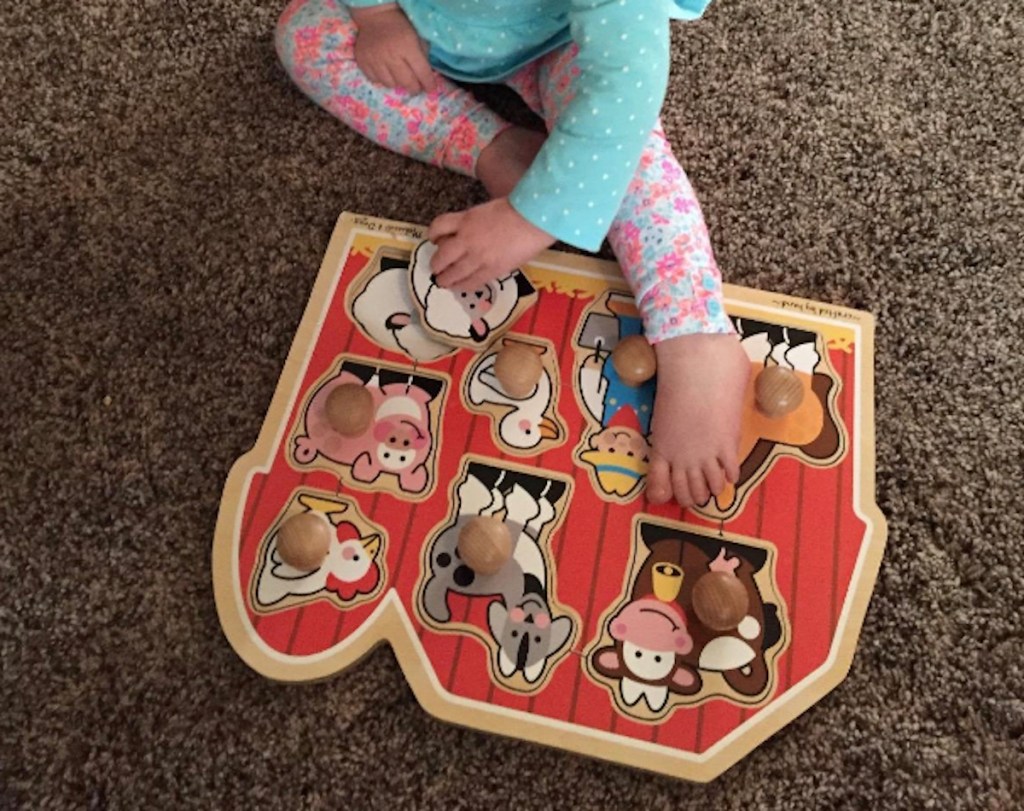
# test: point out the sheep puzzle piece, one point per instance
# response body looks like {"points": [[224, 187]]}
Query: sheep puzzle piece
{"points": [[640, 634]]}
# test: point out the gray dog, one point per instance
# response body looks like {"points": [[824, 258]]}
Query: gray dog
{"points": [[520, 620]]}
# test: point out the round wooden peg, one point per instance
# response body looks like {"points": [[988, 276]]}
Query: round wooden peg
{"points": [[634, 360], [349, 409], [778, 391], [518, 369], [304, 540], [485, 544], [720, 600]]}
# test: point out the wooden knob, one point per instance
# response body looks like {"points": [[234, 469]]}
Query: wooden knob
{"points": [[349, 409], [778, 390], [720, 600], [634, 360], [485, 544], [304, 541], [518, 369]]}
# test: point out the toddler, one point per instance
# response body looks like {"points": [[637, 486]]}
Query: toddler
{"points": [[596, 71]]}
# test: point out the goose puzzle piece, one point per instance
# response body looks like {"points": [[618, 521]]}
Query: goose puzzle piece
{"points": [[601, 624]]}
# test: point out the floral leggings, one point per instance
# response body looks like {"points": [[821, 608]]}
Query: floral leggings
{"points": [[658, 235]]}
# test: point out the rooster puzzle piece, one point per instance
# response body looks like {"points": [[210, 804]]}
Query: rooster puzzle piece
{"points": [[348, 571]]}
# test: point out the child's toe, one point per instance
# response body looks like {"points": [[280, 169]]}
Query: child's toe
{"points": [[698, 485], [658, 481], [681, 488], [714, 476], [730, 465]]}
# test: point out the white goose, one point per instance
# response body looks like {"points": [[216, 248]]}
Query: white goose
{"points": [[525, 426]]}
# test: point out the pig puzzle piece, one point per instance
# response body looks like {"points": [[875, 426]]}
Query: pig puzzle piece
{"points": [[640, 634]]}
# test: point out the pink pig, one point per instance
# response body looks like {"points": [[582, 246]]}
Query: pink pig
{"points": [[398, 440]]}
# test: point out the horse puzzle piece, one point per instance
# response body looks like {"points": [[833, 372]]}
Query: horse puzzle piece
{"points": [[609, 626]]}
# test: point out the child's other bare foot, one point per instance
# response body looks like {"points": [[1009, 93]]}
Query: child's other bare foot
{"points": [[505, 160], [702, 380]]}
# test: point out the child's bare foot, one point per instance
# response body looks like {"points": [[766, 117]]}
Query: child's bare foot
{"points": [[505, 160], [702, 380]]}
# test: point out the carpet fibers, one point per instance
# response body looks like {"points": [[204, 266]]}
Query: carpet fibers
{"points": [[167, 196]]}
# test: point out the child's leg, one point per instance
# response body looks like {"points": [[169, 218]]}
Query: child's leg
{"points": [[658, 235], [316, 43], [661, 241]]}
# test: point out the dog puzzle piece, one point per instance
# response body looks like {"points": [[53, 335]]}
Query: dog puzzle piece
{"points": [[634, 360], [485, 544], [778, 391], [349, 409], [720, 600], [518, 369], [304, 541]]}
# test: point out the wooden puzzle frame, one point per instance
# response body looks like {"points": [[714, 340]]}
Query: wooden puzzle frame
{"points": [[390, 622]]}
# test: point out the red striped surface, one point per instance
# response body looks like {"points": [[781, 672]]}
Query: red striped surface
{"points": [[805, 512]]}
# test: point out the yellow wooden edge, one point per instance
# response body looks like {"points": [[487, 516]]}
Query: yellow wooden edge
{"points": [[389, 621]]}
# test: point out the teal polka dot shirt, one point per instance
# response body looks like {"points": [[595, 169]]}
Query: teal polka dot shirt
{"points": [[576, 185]]}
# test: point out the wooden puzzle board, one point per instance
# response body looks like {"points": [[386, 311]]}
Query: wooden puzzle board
{"points": [[567, 646]]}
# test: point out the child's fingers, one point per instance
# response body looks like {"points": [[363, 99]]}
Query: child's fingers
{"points": [[449, 252], [370, 72], [386, 78], [456, 273], [443, 226], [421, 68], [472, 283], [467, 284], [404, 77]]}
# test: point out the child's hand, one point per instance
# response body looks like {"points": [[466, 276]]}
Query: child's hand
{"points": [[482, 244], [389, 51]]}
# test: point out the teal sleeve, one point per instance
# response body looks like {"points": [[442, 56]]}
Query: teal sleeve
{"points": [[687, 9], [578, 181], [368, 3]]}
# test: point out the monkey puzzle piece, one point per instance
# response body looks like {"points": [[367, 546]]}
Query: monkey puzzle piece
{"points": [[720, 600], [518, 369], [349, 409], [634, 360], [304, 541], [778, 391], [485, 544]]}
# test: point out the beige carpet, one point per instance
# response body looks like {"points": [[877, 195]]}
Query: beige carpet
{"points": [[167, 197]]}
